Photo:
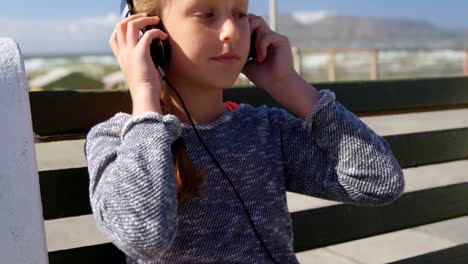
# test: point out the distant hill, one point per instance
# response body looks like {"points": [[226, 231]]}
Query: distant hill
{"points": [[363, 32]]}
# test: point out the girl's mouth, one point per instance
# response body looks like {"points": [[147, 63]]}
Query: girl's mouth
{"points": [[228, 58]]}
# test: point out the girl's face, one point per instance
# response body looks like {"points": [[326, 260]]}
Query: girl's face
{"points": [[210, 40]]}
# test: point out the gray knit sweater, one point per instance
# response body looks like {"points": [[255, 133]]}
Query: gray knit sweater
{"points": [[265, 151]]}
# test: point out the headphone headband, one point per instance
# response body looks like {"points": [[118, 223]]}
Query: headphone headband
{"points": [[126, 8]]}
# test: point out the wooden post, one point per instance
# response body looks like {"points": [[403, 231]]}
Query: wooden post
{"points": [[297, 55], [272, 17], [375, 64], [332, 65], [466, 62], [22, 237]]}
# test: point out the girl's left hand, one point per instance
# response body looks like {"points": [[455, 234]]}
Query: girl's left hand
{"points": [[274, 63]]}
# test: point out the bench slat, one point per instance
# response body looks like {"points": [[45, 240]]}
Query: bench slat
{"points": [[381, 97], [74, 112], [424, 148], [97, 254], [453, 255], [108, 253], [64, 192], [341, 223], [419, 208]]}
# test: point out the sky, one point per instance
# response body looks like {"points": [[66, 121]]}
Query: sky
{"points": [[84, 26]]}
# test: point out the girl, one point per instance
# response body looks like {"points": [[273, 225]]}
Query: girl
{"points": [[162, 195]]}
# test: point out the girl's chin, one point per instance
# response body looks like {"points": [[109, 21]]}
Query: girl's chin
{"points": [[226, 82], [222, 79], [213, 77]]}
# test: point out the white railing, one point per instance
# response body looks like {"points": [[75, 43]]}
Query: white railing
{"points": [[374, 66], [466, 62]]}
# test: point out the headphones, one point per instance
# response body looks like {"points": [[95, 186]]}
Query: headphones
{"points": [[160, 50], [161, 53]]}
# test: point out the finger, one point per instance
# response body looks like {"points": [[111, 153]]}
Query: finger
{"points": [[261, 44], [267, 40], [148, 37], [113, 44], [258, 24], [121, 29], [134, 27]]}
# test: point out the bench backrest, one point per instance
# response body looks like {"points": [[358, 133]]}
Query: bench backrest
{"points": [[65, 193]]}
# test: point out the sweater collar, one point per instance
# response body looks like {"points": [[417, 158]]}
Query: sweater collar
{"points": [[223, 118]]}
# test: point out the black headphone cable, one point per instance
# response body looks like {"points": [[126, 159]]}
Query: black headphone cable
{"points": [[164, 77]]}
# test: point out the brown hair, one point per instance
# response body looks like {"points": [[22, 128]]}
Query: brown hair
{"points": [[188, 177]]}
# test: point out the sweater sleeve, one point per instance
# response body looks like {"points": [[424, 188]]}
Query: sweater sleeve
{"points": [[334, 155], [133, 190]]}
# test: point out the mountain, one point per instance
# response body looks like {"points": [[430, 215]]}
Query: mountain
{"points": [[320, 30]]}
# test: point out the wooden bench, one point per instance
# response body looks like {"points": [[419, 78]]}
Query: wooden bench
{"points": [[68, 115]]}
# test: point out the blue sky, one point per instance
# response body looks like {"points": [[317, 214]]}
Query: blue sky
{"points": [[67, 26], [449, 13]]}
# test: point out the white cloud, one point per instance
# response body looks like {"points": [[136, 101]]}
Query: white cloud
{"points": [[309, 17], [84, 35]]}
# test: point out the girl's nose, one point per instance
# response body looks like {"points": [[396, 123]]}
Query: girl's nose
{"points": [[229, 30]]}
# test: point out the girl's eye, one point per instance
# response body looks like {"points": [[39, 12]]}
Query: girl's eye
{"points": [[204, 15], [243, 15]]}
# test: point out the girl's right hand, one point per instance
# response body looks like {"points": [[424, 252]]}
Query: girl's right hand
{"points": [[135, 61]]}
